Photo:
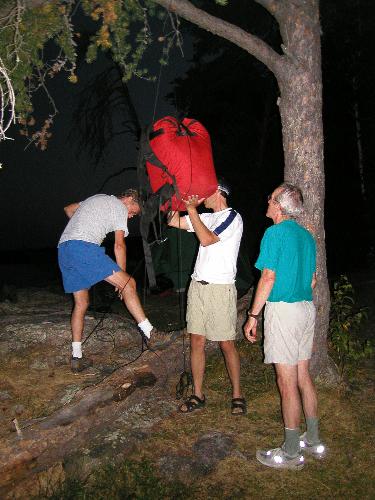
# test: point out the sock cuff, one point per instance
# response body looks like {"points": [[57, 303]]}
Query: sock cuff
{"points": [[77, 349], [146, 327]]}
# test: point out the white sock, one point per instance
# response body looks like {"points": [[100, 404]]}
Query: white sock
{"points": [[146, 327], [77, 349]]}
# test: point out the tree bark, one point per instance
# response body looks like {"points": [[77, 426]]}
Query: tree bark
{"points": [[300, 103]]}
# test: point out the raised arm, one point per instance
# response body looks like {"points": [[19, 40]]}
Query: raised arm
{"points": [[70, 209], [204, 235]]}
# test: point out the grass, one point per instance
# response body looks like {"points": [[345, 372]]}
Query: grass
{"points": [[129, 480], [347, 427]]}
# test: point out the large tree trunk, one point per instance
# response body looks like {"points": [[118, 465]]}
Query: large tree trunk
{"points": [[300, 83]]}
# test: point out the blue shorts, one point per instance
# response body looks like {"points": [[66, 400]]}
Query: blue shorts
{"points": [[83, 264]]}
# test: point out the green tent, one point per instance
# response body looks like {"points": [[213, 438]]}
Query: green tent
{"points": [[184, 245]]}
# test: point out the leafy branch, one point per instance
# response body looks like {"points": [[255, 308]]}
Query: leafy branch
{"points": [[345, 324]]}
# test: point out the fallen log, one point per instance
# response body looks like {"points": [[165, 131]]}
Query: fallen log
{"points": [[44, 443], [48, 441]]}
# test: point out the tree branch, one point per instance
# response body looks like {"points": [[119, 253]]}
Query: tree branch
{"points": [[271, 5], [252, 44], [8, 5]]}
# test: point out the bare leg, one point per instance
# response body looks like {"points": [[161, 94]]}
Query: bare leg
{"points": [[81, 303], [198, 362], [307, 389], [232, 362], [290, 397], [124, 282]]}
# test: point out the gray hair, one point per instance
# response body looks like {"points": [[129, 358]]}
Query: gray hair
{"points": [[130, 193], [290, 200]]}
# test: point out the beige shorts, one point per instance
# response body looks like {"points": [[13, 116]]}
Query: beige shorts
{"points": [[288, 332], [212, 311]]}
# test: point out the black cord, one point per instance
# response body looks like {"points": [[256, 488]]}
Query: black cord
{"points": [[143, 337], [101, 320]]}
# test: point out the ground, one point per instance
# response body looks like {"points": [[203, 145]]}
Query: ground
{"points": [[160, 452]]}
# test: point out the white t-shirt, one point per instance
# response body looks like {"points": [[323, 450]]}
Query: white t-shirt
{"points": [[95, 218], [217, 263]]}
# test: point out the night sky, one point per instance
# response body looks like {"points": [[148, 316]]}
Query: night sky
{"points": [[35, 185]]}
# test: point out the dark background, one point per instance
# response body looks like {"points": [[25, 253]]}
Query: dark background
{"points": [[234, 96]]}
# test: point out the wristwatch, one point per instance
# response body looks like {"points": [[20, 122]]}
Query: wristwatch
{"points": [[255, 316]]}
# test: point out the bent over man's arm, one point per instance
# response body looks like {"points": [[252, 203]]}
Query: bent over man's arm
{"points": [[120, 249], [70, 209]]}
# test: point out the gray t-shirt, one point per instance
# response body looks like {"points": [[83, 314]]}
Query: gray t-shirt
{"points": [[95, 218]]}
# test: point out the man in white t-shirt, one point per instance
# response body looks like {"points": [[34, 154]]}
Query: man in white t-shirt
{"points": [[83, 261], [212, 297]]}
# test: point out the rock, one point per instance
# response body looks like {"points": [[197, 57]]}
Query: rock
{"points": [[18, 409], [209, 449], [62, 360], [40, 485], [86, 405], [107, 369], [39, 365], [177, 467], [4, 396], [8, 292]]}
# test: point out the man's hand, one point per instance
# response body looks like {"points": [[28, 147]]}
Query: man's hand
{"points": [[192, 201], [250, 329]]}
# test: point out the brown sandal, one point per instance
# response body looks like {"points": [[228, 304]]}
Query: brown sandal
{"points": [[192, 403], [239, 406]]}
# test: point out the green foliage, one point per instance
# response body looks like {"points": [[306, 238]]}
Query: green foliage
{"points": [[128, 480], [345, 324], [118, 22], [23, 36], [122, 27]]}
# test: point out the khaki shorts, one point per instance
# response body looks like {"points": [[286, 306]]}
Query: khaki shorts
{"points": [[212, 311], [288, 332]]}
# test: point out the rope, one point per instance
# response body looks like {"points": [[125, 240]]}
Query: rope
{"points": [[186, 379], [156, 100], [144, 339]]}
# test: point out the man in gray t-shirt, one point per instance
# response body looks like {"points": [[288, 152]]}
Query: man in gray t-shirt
{"points": [[97, 216], [83, 261]]}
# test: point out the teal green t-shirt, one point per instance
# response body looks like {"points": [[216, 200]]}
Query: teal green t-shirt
{"points": [[288, 249]]}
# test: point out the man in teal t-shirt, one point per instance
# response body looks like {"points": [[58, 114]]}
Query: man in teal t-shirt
{"points": [[288, 263]]}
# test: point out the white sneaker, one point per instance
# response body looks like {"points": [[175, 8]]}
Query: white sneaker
{"points": [[316, 450], [278, 459]]}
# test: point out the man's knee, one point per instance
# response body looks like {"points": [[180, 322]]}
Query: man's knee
{"points": [[227, 346], [128, 285], [304, 377], [131, 283], [286, 379], [81, 302], [197, 341]]}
